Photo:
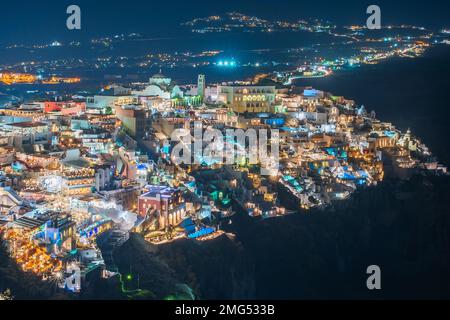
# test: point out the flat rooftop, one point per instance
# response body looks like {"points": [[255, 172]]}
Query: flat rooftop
{"points": [[28, 124], [164, 191]]}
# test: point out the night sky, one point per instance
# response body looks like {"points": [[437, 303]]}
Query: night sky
{"points": [[38, 21]]}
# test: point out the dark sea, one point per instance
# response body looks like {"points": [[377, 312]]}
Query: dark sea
{"points": [[410, 93]]}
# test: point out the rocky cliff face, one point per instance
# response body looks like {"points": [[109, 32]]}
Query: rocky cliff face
{"points": [[402, 226], [216, 269]]}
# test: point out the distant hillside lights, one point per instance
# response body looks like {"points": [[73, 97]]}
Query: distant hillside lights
{"points": [[26, 78], [226, 63], [12, 78]]}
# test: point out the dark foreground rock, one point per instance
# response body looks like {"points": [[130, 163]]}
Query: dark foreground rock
{"points": [[404, 227], [184, 269], [401, 226]]}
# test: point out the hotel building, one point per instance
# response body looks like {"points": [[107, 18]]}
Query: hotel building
{"points": [[247, 98], [167, 201]]}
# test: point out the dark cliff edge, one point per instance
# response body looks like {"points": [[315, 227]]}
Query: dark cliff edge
{"points": [[216, 269], [401, 226]]}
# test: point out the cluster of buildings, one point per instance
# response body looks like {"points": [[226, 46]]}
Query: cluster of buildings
{"points": [[73, 171], [10, 78], [395, 47]]}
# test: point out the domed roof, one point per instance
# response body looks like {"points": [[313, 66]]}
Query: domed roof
{"points": [[159, 75]]}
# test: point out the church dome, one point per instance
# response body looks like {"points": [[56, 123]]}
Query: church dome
{"points": [[159, 76]]}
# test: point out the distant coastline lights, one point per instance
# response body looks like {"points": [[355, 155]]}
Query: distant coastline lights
{"points": [[226, 63]]}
